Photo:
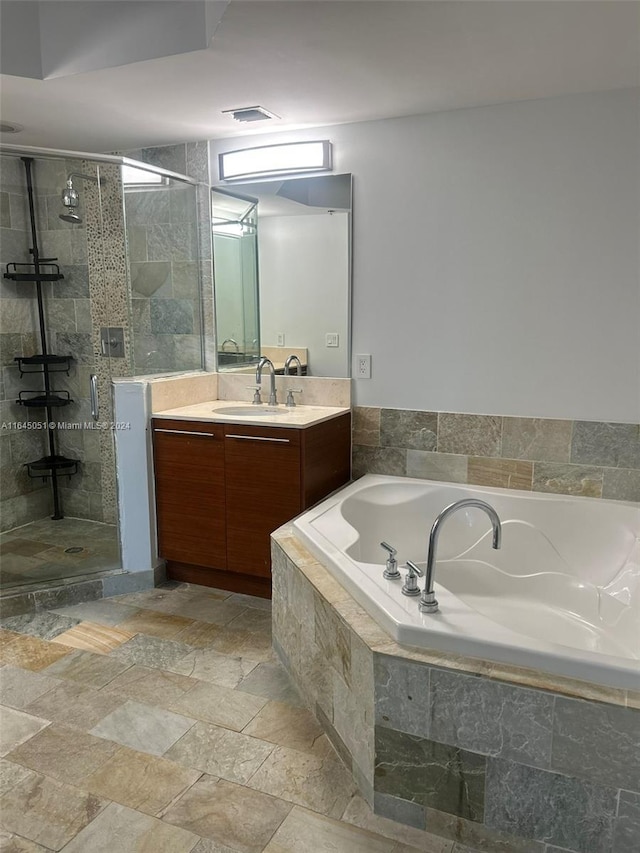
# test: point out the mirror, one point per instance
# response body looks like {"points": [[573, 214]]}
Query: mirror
{"points": [[282, 266]]}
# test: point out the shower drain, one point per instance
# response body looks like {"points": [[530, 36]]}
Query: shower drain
{"points": [[75, 549]]}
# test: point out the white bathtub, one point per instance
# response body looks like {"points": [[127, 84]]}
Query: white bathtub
{"points": [[561, 595]]}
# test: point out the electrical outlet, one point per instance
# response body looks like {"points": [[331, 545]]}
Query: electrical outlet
{"points": [[363, 367], [332, 339], [280, 339]]}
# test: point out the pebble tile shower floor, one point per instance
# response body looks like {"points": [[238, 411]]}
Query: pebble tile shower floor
{"points": [[162, 721]]}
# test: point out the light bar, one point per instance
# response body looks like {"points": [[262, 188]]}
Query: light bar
{"points": [[285, 159]]}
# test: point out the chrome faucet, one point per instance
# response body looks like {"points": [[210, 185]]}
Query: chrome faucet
{"points": [[289, 361], [229, 341], [264, 362], [428, 602]]}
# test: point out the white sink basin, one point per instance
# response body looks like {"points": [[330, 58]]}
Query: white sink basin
{"points": [[249, 411]]}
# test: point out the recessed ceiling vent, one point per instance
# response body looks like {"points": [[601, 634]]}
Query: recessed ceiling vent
{"points": [[250, 114]]}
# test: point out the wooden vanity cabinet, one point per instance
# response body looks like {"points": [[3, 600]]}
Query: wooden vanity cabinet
{"points": [[252, 479], [190, 493]]}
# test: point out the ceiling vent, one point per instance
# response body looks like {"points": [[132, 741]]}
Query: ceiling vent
{"points": [[250, 114]]}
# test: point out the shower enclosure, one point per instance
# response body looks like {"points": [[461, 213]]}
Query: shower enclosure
{"points": [[125, 300]]}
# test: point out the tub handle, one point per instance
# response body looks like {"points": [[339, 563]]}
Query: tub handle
{"points": [[410, 586], [391, 569]]}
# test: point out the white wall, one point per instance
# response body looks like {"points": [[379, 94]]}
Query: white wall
{"points": [[134, 473], [495, 256], [304, 266]]}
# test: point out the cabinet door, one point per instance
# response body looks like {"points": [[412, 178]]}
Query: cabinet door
{"points": [[190, 498], [263, 491]]}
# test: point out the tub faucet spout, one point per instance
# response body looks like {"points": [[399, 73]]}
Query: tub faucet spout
{"points": [[428, 602]]}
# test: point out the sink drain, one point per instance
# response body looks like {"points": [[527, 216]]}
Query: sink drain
{"points": [[76, 549]]}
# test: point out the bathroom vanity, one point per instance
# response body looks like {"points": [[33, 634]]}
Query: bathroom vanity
{"points": [[227, 475]]}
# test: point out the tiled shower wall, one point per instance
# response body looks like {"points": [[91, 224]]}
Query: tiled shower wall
{"points": [[586, 458], [94, 293], [169, 239], [21, 498], [162, 239], [68, 322]]}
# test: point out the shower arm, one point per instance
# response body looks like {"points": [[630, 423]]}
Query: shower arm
{"points": [[73, 175]]}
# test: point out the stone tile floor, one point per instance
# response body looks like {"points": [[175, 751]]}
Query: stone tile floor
{"points": [[127, 724], [38, 551]]}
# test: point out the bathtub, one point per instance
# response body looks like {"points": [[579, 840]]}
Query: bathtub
{"points": [[561, 595]]}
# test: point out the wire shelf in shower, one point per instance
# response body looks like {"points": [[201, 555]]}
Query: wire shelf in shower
{"points": [[41, 363], [34, 272], [53, 399], [48, 465]]}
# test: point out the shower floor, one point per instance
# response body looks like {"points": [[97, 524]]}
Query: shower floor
{"points": [[48, 551]]}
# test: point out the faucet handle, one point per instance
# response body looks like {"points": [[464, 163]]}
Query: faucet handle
{"points": [[391, 569], [410, 586], [257, 400], [290, 393]]}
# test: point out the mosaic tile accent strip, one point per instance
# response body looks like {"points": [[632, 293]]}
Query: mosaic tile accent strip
{"points": [[584, 458]]}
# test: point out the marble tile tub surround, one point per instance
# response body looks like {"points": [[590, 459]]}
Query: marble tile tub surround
{"points": [[495, 757], [587, 458]]}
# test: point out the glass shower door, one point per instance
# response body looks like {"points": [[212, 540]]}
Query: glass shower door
{"points": [[58, 506]]}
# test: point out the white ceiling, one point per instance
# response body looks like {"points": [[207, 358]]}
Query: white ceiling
{"points": [[329, 62]]}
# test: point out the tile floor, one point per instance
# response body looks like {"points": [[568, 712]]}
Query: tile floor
{"points": [[37, 552], [161, 721]]}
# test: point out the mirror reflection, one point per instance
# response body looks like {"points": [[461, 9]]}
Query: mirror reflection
{"points": [[282, 274]]}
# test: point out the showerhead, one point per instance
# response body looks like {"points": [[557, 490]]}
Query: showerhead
{"points": [[71, 216], [71, 197], [71, 200]]}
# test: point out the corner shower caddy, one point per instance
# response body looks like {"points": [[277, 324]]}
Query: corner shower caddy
{"points": [[40, 269]]}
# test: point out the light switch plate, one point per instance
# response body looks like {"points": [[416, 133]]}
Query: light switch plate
{"points": [[332, 339]]}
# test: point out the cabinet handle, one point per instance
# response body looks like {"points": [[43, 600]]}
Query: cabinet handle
{"points": [[186, 432], [260, 438]]}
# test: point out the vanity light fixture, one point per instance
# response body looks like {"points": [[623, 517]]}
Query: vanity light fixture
{"points": [[284, 159]]}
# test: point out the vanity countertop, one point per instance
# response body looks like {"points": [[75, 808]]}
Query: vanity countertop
{"points": [[295, 417]]}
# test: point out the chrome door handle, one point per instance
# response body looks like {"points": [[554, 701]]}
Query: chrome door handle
{"points": [[93, 395]]}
